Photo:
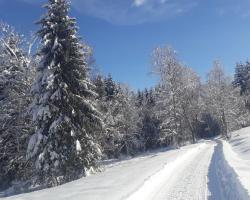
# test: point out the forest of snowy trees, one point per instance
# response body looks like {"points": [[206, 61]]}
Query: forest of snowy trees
{"points": [[58, 118]]}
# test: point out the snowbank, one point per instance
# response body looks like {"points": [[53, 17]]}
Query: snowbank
{"points": [[224, 181], [237, 156], [240, 142], [240, 166]]}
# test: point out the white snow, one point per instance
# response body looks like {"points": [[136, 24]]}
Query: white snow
{"points": [[240, 142], [72, 133], [50, 80], [55, 46], [157, 180], [34, 142], [237, 154], [213, 170], [223, 180], [118, 181], [240, 171], [78, 146]]}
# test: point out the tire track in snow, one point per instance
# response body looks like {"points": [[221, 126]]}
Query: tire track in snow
{"points": [[190, 183], [157, 180], [224, 182]]}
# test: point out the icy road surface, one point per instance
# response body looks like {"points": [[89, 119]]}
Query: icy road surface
{"points": [[194, 172]]}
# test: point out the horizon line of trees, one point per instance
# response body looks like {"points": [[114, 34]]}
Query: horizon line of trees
{"points": [[57, 120]]}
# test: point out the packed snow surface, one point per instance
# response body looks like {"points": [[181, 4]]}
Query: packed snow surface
{"points": [[213, 170]]}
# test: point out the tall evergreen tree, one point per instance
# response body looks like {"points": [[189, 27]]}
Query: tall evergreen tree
{"points": [[240, 77], [149, 124], [111, 89], [242, 81], [63, 146], [100, 87]]}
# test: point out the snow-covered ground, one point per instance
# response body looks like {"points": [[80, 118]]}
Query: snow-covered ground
{"points": [[240, 142], [214, 170], [118, 181], [237, 154]]}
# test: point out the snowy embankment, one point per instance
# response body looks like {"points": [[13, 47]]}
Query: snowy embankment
{"points": [[237, 156], [240, 142], [224, 181], [229, 171]]}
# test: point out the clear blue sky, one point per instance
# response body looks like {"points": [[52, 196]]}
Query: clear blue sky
{"points": [[124, 32]]}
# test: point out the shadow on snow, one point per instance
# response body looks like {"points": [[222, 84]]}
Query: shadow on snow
{"points": [[223, 182]]}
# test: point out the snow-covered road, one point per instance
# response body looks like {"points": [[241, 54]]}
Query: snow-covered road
{"points": [[189, 180], [194, 172]]}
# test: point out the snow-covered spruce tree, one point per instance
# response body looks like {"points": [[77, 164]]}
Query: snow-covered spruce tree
{"points": [[242, 77], [242, 81], [15, 83], [120, 118], [63, 146], [109, 105], [127, 120], [149, 125]]}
